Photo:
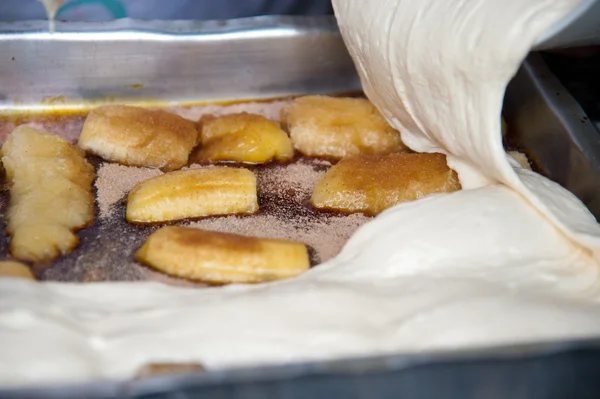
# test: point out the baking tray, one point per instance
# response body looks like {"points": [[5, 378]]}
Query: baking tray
{"points": [[554, 130], [553, 370], [163, 61], [150, 62]]}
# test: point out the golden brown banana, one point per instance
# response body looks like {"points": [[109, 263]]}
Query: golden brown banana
{"points": [[15, 269], [339, 127], [372, 183], [138, 137], [222, 258], [193, 193], [242, 137], [51, 193]]}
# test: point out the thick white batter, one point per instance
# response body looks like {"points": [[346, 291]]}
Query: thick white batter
{"points": [[512, 258]]}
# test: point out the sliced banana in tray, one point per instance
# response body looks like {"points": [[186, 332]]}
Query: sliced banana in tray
{"points": [[9, 268], [339, 127], [372, 183], [242, 137], [222, 258], [193, 193], [50, 194], [139, 137]]}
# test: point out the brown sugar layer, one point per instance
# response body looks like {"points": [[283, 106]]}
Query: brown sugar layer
{"points": [[107, 246], [115, 181]]}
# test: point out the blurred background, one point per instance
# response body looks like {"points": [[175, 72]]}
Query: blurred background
{"points": [[103, 10]]}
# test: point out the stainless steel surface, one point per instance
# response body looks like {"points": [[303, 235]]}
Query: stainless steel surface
{"points": [[187, 61], [580, 28], [555, 130], [514, 372]]}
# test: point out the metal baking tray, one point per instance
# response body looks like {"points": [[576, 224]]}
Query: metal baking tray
{"points": [[554, 131], [259, 58], [165, 61]]}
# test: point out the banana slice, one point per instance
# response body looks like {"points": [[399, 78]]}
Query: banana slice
{"points": [[222, 258], [339, 127], [193, 193], [244, 138], [50, 194], [372, 183], [15, 269], [138, 137]]}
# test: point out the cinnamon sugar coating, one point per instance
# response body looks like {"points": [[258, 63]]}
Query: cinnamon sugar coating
{"points": [[138, 137], [372, 183]]}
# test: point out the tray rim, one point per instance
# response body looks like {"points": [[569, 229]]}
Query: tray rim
{"points": [[351, 366], [179, 33], [176, 28]]}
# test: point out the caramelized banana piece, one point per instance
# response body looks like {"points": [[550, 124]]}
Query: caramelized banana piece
{"points": [[193, 193], [222, 258], [372, 183], [138, 137], [37, 155], [50, 194], [15, 269], [42, 241], [339, 127], [244, 138], [74, 209]]}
